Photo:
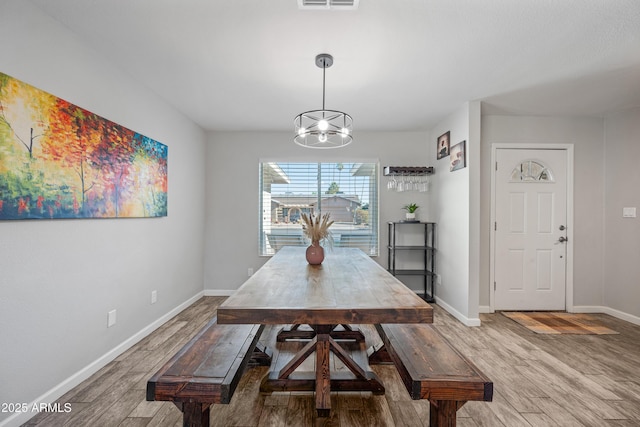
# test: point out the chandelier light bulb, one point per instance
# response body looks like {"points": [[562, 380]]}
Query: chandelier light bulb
{"points": [[322, 137], [344, 132], [301, 131], [323, 125]]}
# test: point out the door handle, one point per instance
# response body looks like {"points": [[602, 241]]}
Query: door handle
{"points": [[562, 239]]}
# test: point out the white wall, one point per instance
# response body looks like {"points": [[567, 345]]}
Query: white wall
{"points": [[58, 279], [620, 288], [232, 192], [587, 136], [456, 197]]}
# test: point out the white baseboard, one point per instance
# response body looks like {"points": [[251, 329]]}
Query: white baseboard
{"points": [[607, 310], [218, 292], [455, 313], [484, 309], [74, 380]]}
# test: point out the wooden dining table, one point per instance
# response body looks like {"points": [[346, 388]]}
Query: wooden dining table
{"points": [[348, 288]]}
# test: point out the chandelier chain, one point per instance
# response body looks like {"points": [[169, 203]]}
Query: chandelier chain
{"points": [[324, 71]]}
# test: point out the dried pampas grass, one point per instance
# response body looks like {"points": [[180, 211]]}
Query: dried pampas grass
{"points": [[316, 228]]}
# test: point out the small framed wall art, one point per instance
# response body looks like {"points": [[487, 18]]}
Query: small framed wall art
{"points": [[443, 145], [458, 156]]}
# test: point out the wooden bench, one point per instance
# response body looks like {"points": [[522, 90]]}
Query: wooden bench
{"points": [[431, 368], [207, 369]]}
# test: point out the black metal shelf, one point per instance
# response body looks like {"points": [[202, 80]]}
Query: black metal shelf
{"points": [[404, 272], [428, 260], [412, 248]]}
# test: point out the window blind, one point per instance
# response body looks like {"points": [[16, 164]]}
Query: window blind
{"points": [[348, 192]]}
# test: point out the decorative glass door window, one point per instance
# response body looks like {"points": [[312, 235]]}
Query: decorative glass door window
{"points": [[531, 171]]}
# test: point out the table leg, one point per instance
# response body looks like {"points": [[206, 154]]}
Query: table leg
{"points": [[323, 381], [300, 332], [323, 375], [295, 332], [300, 357], [347, 332]]}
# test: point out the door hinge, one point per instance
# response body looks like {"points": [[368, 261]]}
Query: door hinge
{"points": [[495, 226], [496, 165], [494, 286]]}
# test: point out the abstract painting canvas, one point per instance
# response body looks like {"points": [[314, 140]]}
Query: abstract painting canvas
{"points": [[58, 160]]}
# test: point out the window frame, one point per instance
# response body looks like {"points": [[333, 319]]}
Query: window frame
{"points": [[374, 205]]}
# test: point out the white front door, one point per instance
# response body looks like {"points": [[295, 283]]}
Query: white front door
{"points": [[530, 229]]}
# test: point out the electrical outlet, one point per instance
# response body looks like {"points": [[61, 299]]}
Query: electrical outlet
{"points": [[249, 271], [111, 318], [154, 297]]}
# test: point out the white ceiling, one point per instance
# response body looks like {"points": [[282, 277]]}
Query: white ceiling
{"points": [[399, 65]]}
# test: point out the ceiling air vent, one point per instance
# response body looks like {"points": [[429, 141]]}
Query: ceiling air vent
{"points": [[328, 4]]}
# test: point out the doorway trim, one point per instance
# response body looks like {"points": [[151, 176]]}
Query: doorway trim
{"points": [[492, 240]]}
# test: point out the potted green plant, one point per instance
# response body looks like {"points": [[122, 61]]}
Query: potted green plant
{"points": [[411, 209]]}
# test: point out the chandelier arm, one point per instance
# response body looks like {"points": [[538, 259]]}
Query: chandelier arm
{"points": [[332, 117]]}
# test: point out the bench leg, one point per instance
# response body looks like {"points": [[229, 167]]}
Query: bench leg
{"points": [[261, 356], [443, 413], [195, 414], [378, 355]]}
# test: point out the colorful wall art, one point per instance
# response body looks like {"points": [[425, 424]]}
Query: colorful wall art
{"points": [[58, 160]]}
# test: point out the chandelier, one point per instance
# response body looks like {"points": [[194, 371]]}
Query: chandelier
{"points": [[323, 128]]}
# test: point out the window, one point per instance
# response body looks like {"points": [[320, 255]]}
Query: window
{"points": [[347, 191], [531, 171]]}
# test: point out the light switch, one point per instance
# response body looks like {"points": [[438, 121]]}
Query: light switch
{"points": [[629, 212], [111, 318]]}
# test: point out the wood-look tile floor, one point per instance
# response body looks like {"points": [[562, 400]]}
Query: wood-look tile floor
{"points": [[539, 380]]}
